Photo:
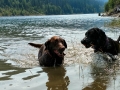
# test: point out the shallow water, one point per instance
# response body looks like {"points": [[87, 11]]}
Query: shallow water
{"points": [[82, 69]]}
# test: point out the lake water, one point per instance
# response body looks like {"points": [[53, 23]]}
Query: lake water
{"points": [[82, 69]]}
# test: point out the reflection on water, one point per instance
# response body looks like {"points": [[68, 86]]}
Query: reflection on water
{"points": [[103, 76], [19, 68], [99, 83], [8, 70], [57, 80]]}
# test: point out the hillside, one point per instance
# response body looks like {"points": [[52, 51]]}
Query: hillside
{"points": [[112, 7], [49, 7]]}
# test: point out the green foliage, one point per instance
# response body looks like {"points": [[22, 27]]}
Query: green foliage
{"points": [[49, 7], [109, 7], [114, 23], [111, 4]]}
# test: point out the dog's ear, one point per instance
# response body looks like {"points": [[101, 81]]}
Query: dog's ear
{"points": [[65, 44], [47, 43]]}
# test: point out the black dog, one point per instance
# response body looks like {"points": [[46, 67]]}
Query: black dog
{"points": [[97, 39], [52, 52]]}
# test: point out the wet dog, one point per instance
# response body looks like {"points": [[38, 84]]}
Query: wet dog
{"points": [[51, 53], [98, 40]]}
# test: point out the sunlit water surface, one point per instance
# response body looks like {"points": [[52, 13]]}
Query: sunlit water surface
{"points": [[82, 69]]}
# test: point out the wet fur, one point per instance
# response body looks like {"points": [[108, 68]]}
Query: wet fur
{"points": [[99, 41], [47, 55]]}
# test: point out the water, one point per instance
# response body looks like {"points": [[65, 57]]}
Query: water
{"points": [[19, 68]]}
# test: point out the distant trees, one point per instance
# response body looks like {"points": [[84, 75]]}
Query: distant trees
{"points": [[49, 7]]}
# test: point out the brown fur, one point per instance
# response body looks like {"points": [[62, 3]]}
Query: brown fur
{"points": [[51, 53]]}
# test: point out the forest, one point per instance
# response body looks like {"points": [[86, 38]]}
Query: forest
{"points": [[49, 7], [111, 4]]}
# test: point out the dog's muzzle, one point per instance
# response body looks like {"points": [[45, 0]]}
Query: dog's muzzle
{"points": [[86, 42]]}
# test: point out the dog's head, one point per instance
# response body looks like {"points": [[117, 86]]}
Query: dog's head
{"points": [[94, 37], [56, 45]]}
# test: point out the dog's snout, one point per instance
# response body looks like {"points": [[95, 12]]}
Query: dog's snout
{"points": [[82, 41], [62, 49]]}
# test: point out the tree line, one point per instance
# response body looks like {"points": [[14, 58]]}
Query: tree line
{"points": [[49, 7]]}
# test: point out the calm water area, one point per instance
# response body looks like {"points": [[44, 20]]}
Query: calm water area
{"points": [[19, 68]]}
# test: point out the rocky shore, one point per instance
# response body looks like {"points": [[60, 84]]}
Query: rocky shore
{"points": [[114, 13]]}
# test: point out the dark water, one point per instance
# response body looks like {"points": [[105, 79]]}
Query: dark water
{"points": [[19, 68]]}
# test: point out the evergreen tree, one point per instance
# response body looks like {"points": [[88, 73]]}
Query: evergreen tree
{"points": [[50, 7]]}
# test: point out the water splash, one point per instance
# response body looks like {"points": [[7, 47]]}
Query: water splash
{"points": [[76, 53]]}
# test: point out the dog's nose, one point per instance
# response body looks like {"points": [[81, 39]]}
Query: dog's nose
{"points": [[62, 49], [82, 41]]}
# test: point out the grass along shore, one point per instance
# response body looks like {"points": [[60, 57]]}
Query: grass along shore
{"points": [[115, 23]]}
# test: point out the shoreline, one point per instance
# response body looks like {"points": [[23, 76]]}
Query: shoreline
{"points": [[115, 15], [112, 15]]}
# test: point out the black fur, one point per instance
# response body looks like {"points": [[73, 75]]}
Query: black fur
{"points": [[97, 39]]}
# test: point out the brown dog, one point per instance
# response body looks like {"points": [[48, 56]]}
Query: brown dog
{"points": [[52, 52], [97, 39]]}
